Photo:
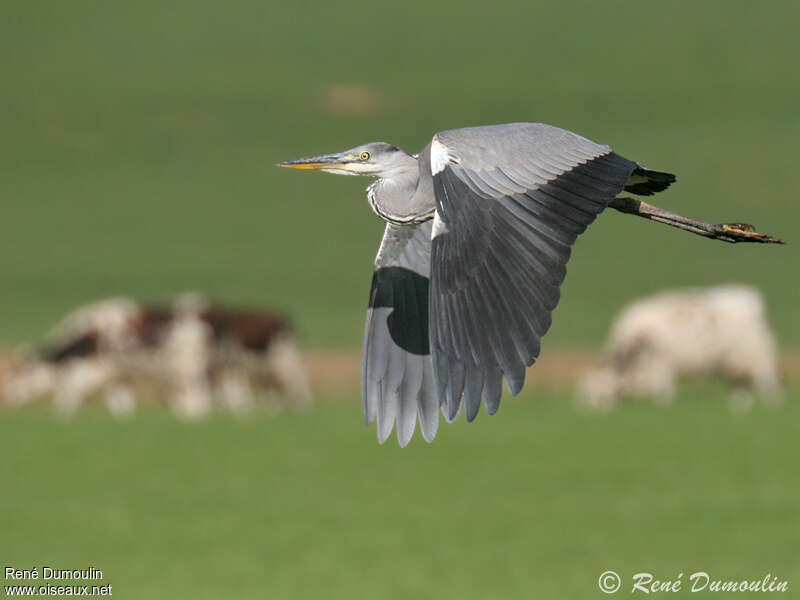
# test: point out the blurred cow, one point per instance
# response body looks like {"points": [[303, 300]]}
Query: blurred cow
{"points": [[190, 352], [653, 342], [77, 360]]}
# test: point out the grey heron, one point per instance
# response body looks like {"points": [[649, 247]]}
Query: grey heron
{"points": [[479, 229]]}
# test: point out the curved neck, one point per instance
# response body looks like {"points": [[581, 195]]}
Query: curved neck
{"points": [[395, 196]]}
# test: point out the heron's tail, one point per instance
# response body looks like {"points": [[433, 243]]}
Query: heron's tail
{"points": [[645, 182]]}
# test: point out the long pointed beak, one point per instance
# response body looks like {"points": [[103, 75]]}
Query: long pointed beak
{"points": [[325, 161]]}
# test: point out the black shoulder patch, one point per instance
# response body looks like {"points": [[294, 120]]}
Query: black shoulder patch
{"points": [[406, 292]]}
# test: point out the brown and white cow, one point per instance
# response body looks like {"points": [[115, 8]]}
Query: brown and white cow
{"points": [[189, 352]]}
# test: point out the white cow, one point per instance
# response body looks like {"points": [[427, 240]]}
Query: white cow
{"points": [[654, 341]]}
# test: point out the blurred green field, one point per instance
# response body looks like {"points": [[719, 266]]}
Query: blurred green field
{"points": [[138, 141], [534, 502], [136, 150]]}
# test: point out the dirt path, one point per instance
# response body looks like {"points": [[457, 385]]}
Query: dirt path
{"points": [[333, 370], [341, 370]]}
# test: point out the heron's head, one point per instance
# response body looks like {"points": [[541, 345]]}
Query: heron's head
{"points": [[378, 159]]}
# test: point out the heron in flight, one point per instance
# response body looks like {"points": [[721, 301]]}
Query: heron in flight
{"points": [[479, 228]]}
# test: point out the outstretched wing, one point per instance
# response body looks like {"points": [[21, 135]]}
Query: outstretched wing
{"points": [[397, 376], [510, 202]]}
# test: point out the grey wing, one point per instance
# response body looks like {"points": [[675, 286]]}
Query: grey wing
{"points": [[510, 202], [397, 374]]}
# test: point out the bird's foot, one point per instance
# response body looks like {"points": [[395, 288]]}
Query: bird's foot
{"points": [[744, 232], [725, 232]]}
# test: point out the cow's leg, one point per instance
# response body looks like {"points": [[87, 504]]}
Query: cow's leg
{"points": [[235, 391], [80, 378], [120, 401], [285, 366]]}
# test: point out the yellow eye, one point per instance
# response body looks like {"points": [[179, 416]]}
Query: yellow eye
{"points": [[364, 156]]}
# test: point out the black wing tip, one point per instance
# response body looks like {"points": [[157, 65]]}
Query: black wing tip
{"points": [[515, 385], [451, 411], [492, 408], [657, 181]]}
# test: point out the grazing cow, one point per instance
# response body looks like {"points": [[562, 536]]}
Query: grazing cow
{"points": [[77, 360], [255, 348], [653, 342], [189, 351]]}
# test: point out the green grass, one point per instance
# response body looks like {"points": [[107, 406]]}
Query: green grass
{"points": [[534, 502], [138, 141]]}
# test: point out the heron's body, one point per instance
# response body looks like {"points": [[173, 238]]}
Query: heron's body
{"points": [[480, 226]]}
